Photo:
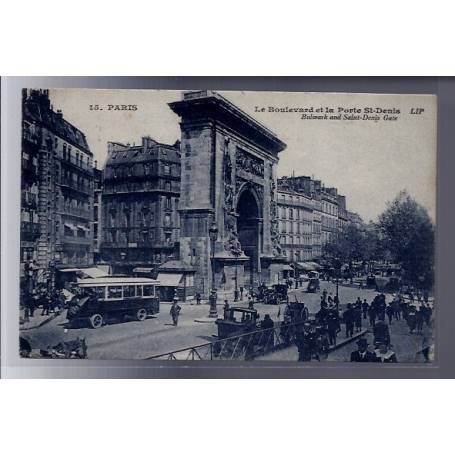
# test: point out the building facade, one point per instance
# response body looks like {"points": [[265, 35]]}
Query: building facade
{"points": [[97, 212], [329, 217], [329, 214], [295, 213], [57, 189], [140, 218]]}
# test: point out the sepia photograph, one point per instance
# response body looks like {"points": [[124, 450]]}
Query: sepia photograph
{"points": [[228, 225]]}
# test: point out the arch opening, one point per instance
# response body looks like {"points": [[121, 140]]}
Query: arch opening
{"points": [[248, 232]]}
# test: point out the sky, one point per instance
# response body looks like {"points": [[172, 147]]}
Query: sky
{"points": [[368, 161]]}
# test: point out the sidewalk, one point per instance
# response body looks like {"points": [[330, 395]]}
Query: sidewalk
{"points": [[37, 320]]}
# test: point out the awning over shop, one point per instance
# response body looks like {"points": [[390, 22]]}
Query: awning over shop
{"points": [[143, 270], [288, 267], [315, 265], [70, 226], [307, 266], [169, 279], [84, 228], [94, 272]]}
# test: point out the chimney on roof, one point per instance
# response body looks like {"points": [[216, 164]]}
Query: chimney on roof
{"points": [[96, 164], [59, 114]]}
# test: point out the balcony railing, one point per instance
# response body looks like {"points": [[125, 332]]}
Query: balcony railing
{"points": [[75, 186], [28, 227], [81, 213], [78, 164], [31, 137]]}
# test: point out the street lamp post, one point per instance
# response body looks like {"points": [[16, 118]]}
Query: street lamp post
{"points": [[213, 235]]}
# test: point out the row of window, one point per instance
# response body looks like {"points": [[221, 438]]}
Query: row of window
{"points": [[329, 208], [134, 235], [125, 218], [77, 157], [296, 240], [123, 292], [295, 213], [329, 222]]}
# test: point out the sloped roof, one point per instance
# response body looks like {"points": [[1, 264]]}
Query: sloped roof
{"points": [[38, 113]]}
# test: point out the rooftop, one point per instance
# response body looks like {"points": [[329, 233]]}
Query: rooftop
{"points": [[37, 109]]}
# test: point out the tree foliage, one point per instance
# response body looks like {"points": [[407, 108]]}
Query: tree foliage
{"points": [[408, 234], [354, 243]]}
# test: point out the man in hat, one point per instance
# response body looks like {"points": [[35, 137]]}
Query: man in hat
{"points": [[333, 325], [175, 311], [363, 354], [349, 318], [365, 307], [226, 310]]}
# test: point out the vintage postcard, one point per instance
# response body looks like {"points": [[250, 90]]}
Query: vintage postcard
{"points": [[243, 226]]}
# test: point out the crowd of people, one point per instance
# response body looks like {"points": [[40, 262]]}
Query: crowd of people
{"points": [[42, 301], [374, 316]]}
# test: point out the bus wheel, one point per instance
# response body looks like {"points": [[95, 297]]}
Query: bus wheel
{"points": [[96, 321], [141, 314]]}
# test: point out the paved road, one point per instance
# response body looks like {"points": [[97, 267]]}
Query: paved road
{"points": [[156, 335]]}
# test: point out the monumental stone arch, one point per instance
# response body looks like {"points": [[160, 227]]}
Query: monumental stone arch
{"points": [[227, 178]]}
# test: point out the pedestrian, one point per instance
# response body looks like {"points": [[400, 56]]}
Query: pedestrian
{"points": [[425, 296], [362, 354], [198, 298], [348, 319], [226, 310], [241, 292], [396, 308], [389, 311], [427, 314], [365, 307], [175, 311], [372, 314], [324, 295], [250, 302], [411, 319], [321, 315], [384, 354], [333, 326], [267, 326], [420, 317], [381, 332], [358, 317], [336, 300], [45, 303]]}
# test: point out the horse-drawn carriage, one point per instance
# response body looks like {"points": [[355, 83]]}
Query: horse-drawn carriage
{"points": [[274, 295], [241, 334]]}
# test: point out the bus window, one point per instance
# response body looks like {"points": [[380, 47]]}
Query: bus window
{"points": [[99, 291], [129, 291], [149, 290], [114, 292], [139, 291]]}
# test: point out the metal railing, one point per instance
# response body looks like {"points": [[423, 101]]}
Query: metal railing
{"points": [[246, 346]]}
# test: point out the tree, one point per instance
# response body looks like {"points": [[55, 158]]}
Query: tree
{"points": [[347, 246], [408, 234]]}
